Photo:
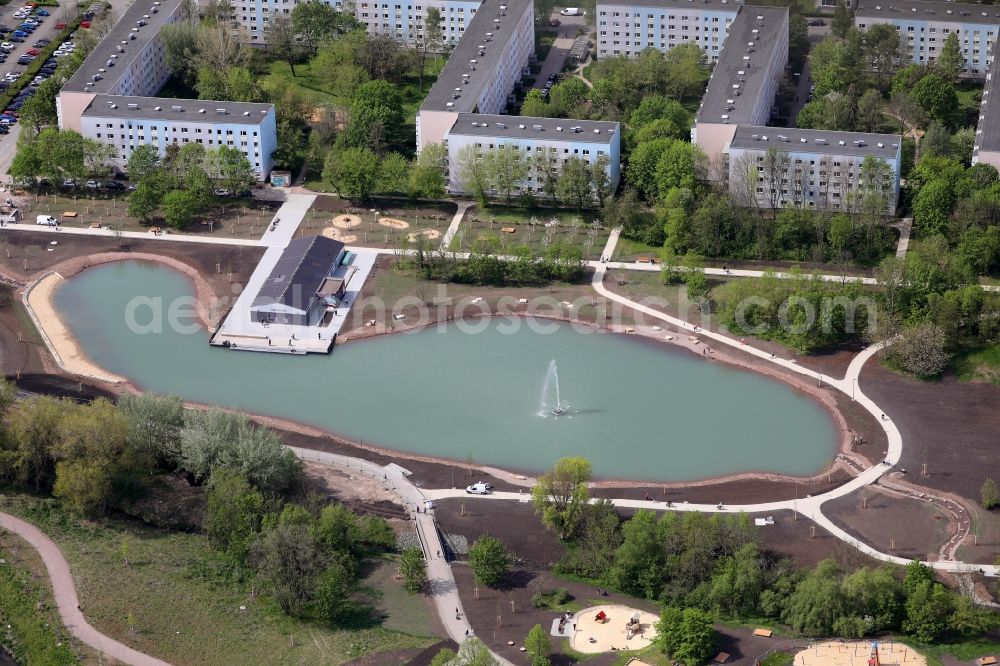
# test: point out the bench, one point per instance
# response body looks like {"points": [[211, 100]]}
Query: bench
{"points": [[763, 633], [508, 230]]}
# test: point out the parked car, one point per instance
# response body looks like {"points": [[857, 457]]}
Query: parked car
{"points": [[571, 11], [479, 489], [222, 192], [817, 22], [114, 186], [19, 35], [554, 22], [93, 185], [47, 220], [41, 12], [16, 38], [4, 129], [32, 52], [69, 183], [60, 26]]}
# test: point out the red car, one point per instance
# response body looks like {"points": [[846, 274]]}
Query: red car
{"points": [[60, 26], [83, 24], [33, 52]]}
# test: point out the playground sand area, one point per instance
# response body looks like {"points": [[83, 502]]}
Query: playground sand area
{"points": [[429, 234], [858, 653], [593, 636], [337, 234], [393, 223], [347, 221]]}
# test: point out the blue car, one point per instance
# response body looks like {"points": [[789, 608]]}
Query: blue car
{"points": [[20, 34], [41, 12]]}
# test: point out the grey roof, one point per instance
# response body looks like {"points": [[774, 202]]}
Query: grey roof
{"points": [[300, 272], [475, 35], [929, 10], [526, 127], [190, 110], [715, 5], [749, 74], [988, 127], [790, 139], [108, 46]]}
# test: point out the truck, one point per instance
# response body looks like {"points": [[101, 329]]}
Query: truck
{"points": [[570, 11], [479, 489], [47, 220]]}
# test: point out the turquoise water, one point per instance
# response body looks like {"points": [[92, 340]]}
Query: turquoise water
{"points": [[639, 410]]}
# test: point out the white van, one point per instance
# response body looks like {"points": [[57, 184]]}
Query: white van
{"points": [[570, 11], [47, 220]]}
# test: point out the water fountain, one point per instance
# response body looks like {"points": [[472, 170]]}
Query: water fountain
{"points": [[551, 402]]}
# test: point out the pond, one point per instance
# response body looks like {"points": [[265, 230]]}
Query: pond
{"points": [[636, 409]]}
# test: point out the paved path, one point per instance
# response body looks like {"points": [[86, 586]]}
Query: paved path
{"points": [[108, 233], [556, 58], [905, 226], [64, 593], [455, 222]]}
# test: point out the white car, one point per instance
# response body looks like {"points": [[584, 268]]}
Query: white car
{"points": [[571, 11], [7, 46], [47, 220], [479, 489], [66, 45]]}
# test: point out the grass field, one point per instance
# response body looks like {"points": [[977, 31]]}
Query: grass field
{"points": [[537, 229], [242, 218], [628, 250], [981, 364], [185, 604]]}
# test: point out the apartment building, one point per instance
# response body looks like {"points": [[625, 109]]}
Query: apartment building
{"points": [[626, 27], [987, 146], [546, 143], [483, 69], [924, 25], [111, 96], [127, 122], [402, 20], [811, 169], [745, 80]]}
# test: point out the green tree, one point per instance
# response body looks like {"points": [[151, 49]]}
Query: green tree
{"points": [[937, 97], [352, 172], [236, 174], [567, 97], [394, 174], [144, 201], [534, 105], [154, 426], [180, 208], [289, 562], [574, 187], [472, 652], [143, 162], [506, 167], [414, 569], [560, 495], [538, 646], [928, 609], [842, 20], [39, 110], [989, 495], [376, 116], [950, 64], [639, 566], [315, 21], [34, 428], [427, 173], [921, 350], [817, 601], [489, 560], [282, 40], [472, 174], [233, 514], [932, 207], [686, 635], [443, 657], [337, 529], [333, 589]]}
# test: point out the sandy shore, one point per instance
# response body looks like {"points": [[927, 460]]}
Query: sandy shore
{"points": [[74, 360]]}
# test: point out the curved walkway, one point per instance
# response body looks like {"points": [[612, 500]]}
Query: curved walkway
{"points": [[64, 593]]}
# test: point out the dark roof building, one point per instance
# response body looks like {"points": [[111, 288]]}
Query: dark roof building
{"points": [[297, 289]]}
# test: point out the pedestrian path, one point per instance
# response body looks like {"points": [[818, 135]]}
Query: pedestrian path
{"points": [[455, 222], [64, 594]]}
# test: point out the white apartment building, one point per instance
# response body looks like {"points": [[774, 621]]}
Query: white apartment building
{"points": [[626, 27], [745, 80], [924, 25], [483, 69], [986, 149], [810, 169], [403, 20], [110, 97], [546, 144]]}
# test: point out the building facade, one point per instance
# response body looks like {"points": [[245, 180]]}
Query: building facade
{"points": [[626, 27], [924, 25], [483, 69], [111, 97], [744, 82], [778, 167], [545, 143], [986, 149], [402, 20]]}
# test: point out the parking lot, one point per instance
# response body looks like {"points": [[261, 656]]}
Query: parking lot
{"points": [[25, 32]]}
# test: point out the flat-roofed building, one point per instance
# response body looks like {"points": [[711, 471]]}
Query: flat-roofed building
{"points": [[745, 80], [986, 149], [402, 20], [111, 97], [301, 286], [924, 25], [545, 143], [482, 70], [626, 27], [783, 167]]}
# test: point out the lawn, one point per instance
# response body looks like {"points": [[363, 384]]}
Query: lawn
{"points": [[628, 250], [232, 218], [981, 364], [537, 229], [185, 602]]}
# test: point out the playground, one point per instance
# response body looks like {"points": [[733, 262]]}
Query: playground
{"points": [[859, 653], [612, 627]]}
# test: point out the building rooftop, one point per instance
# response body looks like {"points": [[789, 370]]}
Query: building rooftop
{"points": [[190, 110], [716, 5], [486, 37], [929, 10], [790, 139], [988, 127], [525, 127], [738, 79], [122, 45], [300, 272]]}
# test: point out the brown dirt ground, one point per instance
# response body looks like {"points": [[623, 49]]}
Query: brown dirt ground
{"points": [[918, 528]]}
